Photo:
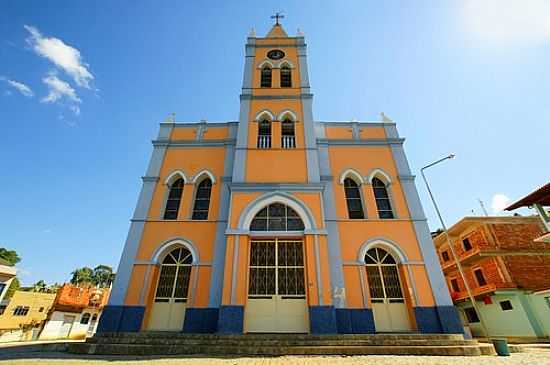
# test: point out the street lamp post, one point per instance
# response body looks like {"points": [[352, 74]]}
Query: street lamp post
{"points": [[455, 257]]}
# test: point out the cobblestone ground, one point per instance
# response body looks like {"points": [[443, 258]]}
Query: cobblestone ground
{"points": [[533, 357]]}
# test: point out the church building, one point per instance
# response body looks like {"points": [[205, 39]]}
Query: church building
{"points": [[279, 222]]}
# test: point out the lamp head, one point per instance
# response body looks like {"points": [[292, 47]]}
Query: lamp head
{"points": [[451, 156]]}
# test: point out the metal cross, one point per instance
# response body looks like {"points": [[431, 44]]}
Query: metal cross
{"points": [[278, 15]]}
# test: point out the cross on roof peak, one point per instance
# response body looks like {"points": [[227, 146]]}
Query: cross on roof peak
{"points": [[278, 15]]}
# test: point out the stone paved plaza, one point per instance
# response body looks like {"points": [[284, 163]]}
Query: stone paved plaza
{"points": [[533, 357]]}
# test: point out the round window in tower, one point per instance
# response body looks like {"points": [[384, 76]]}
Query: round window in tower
{"points": [[275, 54]]}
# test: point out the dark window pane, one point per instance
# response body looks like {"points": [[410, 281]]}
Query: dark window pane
{"points": [[385, 215], [356, 214], [262, 213], [276, 224], [265, 77], [295, 225], [276, 210], [258, 224]]}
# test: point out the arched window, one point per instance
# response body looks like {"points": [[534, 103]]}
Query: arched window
{"points": [[265, 77], [202, 200], [175, 272], [382, 199], [383, 277], [264, 134], [174, 199], [85, 318], [286, 76], [353, 199], [277, 217], [288, 139]]}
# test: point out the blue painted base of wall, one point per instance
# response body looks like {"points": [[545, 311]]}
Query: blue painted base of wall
{"points": [[354, 320], [449, 319], [322, 320], [121, 318], [231, 319], [443, 319], [201, 320]]}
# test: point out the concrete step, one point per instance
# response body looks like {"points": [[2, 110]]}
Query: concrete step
{"points": [[287, 342], [143, 350], [280, 336]]}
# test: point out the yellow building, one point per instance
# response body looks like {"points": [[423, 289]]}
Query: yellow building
{"points": [[279, 222], [24, 315]]}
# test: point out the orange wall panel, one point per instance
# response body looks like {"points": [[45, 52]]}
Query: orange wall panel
{"points": [[372, 132], [424, 290], [276, 166], [136, 283], [354, 291]]}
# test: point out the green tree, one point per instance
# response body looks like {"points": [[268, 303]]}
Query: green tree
{"points": [[83, 275], [9, 255], [103, 276], [14, 286], [40, 286]]}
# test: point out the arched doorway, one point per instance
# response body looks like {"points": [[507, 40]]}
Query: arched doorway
{"points": [[386, 293], [168, 311], [276, 287]]}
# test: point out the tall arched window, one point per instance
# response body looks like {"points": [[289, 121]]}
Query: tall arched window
{"points": [[202, 200], [383, 276], [174, 199], [264, 134], [175, 273], [353, 199], [277, 217], [288, 138], [382, 199], [286, 76], [265, 77]]}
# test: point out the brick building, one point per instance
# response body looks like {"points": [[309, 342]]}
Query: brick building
{"points": [[507, 271], [75, 312]]}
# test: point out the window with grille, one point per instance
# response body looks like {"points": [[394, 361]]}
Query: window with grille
{"points": [[506, 305], [202, 200], [2, 287], [85, 318], [175, 272], [286, 77], [264, 134], [471, 315], [276, 268], [353, 199], [288, 139], [174, 199], [454, 285], [383, 277], [277, 217], [21, 310], [445, 256], [265, 77], [480, 277], [466, 244], [382, 198]]}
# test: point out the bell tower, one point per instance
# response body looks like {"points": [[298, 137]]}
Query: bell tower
{"points": [[275, 138]]}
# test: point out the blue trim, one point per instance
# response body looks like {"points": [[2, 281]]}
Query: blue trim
{"points": [[356, 320], [201, 320], [427, 320], [322, 319], [449, 319], [121, 318], [230, 319], [440, 319]]}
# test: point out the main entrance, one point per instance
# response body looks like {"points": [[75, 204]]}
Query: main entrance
{"points": [[276, 287], [388, 304], [168, 310]]}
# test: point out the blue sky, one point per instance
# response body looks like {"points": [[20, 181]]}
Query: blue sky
{"points": [[83, 86]]}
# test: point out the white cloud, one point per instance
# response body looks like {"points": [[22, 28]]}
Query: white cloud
{"points": [[19, 86], [499, 202], [506, 21], [59, 90], [62, 55]]}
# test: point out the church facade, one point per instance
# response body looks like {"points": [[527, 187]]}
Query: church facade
{"points": [[278, 222]]}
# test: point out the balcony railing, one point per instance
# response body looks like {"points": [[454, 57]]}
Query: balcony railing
{"points": [[264, 141], [288, 142]]}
